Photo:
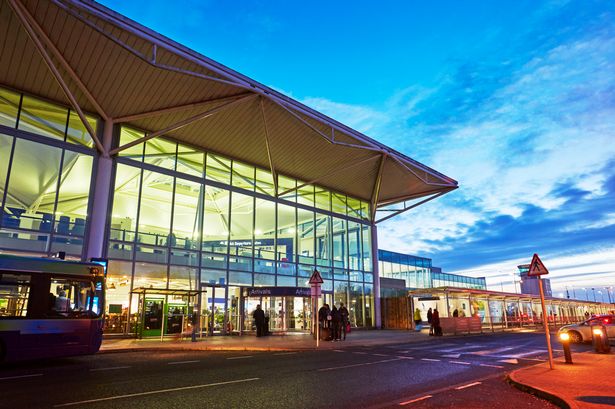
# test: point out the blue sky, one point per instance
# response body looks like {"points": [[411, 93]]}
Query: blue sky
{"points": [[515, 100]]}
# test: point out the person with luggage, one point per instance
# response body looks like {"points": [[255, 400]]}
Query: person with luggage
{"points": [[324, 319], [345, 323], [435, 323]]}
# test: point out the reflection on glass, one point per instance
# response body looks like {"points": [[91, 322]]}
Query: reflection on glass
{"points": [[43, 118], [216, 220], [305, 236], [77, 133], [218, 169], [323, 239], [243, 176], [187, 215], [155, 209], [9, 106], [190, 160], [264, 231], [242, 208], [160, 152], [128, 135]]}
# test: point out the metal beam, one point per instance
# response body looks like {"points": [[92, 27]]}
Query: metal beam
{"points": [[64, 63], [329, 174], [376, 188], [181, 124], [414, 196], [306, 123], [169, 110], [273, 172], [56, 74], [410, 207]]}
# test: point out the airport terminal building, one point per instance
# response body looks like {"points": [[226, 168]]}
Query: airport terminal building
{"points": [[206, 191]]}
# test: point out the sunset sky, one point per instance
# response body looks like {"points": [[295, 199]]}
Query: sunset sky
{"points": [[515, 100]]}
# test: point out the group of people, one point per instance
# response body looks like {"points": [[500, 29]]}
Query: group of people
{"points": [[334, 322], [433, 319]]}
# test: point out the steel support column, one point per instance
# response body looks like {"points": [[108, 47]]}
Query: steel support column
{"points": [[102, 192], [377, 312]]}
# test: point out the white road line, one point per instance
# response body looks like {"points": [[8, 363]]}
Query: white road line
{"points": [[182, 362], [459, 362], [360, 353], [131, 395], [241, 357], [21, 376], [492, 351], [463, 348], [415, 400], [430, 360], [380, 355], [355, 365], [534, 352], [468, 385], [338, 350], [285, 353], [109, 369], [405, 357], [492, 366]]}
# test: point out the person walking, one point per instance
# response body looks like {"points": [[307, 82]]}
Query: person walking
{"points": [[345, 323], [435, 323], [324, 319], [429, 321], [259, 319], [417, 317], [336, 319]]}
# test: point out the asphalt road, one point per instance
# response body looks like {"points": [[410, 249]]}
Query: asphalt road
{"points": [[439, 372]]}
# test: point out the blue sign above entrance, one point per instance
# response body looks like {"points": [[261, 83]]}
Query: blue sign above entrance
{"points": [[276, 291]]}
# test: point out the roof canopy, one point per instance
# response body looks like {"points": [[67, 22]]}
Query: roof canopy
{"points": [[86, 55]]}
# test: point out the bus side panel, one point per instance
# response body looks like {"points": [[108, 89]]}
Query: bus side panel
{"points": [[96, 335], [10, 342], [53, 338]]}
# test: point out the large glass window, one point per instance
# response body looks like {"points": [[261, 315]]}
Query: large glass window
{"points": [[264, 182], [6, 144], [367, 248], [125, 203], [187, 215], [285, 247], [77, 133], [160, 152], [354, 246], [155, 209], [218, 169], [323, 239], [243, 176], [43, 118], [128, 135], [264, 232], [216, 226], [305, 236], [190, 160], [242, 213], [339, 243]]}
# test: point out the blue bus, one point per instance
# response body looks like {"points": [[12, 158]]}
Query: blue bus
{"points": [[50, 307]]}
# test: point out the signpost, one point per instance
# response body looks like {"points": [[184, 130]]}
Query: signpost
{"points": [[537, 268], [315, 283]]}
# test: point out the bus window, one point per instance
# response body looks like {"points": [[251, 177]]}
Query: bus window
{"points": [[14, 292], [74, 298]]}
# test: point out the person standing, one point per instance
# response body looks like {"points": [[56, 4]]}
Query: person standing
{"points": [[435, 323], [336, 319], [259, 319], [417, 317], [345, 323], [429, 321]]}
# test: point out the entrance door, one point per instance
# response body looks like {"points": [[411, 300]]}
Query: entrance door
{"points": [[213, 310], [283, 313], [152, 317]]}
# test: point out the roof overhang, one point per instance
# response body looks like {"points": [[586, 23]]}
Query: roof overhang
{"points": [[96, 60]]}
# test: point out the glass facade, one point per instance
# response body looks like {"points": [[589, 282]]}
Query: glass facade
{"points": [[418, 272], [180, 219], [45, 176]]}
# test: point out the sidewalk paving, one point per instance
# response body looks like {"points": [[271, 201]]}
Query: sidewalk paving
{"points": [[288, 342], [588, 383]]}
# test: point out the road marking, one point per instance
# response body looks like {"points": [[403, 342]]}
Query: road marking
{"points": [[463, 348], [285, 353], [21, 376], [109, 369], [338, 350], [430, 360], [492, 351], [534, 352], [355, 365], [492, 366], [415, 400], [468, 385], [380, 355], [459, 362], [360, 353], [451, 356], [182, 362], [131, 395], [509, 361], [405, 357], [241, 357]]}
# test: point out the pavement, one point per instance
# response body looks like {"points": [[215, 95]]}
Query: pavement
{"points": [[588, 383]]}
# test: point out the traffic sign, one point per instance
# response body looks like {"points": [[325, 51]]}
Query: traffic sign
{"points": [[316, 278], [537, 268]]}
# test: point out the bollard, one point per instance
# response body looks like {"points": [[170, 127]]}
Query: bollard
{"points": [[565, 340], [600, 339]]}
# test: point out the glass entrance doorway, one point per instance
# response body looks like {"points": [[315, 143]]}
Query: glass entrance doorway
{"points": [[213, 316], [287, 309]]}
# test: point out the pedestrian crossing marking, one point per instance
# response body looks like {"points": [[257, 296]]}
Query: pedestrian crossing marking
{"points": [[451, 356], [510, 361], [492, 351]]}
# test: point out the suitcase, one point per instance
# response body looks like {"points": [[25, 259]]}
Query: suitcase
{"points": [[325, 334]]}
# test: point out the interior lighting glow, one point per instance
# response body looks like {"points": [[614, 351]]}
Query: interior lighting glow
{"points": [[597, 331], [564, 336]]}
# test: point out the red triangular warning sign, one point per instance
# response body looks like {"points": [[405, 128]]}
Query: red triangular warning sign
{"points": [[316, 278], [537, 268]]}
